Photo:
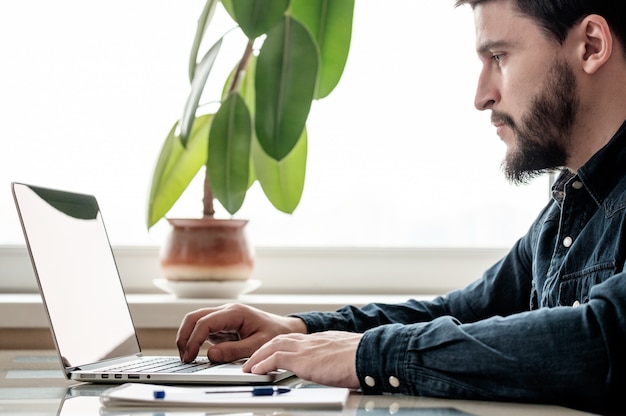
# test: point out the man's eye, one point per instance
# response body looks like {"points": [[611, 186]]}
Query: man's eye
{"points": [[497, 57]]}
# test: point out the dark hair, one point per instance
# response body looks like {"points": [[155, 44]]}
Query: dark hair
{"points": [[557, 17]]}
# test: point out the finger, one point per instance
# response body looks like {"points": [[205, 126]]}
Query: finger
{"points": [[281, 343], [223, 336], [186, 328], [279, 360], [199, 325], [235, 350]]}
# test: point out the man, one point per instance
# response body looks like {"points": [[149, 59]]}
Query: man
{"points": [[548, 322]]}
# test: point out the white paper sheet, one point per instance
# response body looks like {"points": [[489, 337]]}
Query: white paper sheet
{"points": [[143, 395]]}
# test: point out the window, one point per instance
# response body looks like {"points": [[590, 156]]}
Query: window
{"points": [[398, 156]]}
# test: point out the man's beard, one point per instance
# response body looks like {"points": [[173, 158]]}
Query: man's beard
{"points": [[544, 134]]}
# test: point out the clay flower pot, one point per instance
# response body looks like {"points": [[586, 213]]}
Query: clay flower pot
{"points": [[207, 249]]}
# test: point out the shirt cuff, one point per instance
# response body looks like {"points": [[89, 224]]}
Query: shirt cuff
{"points": [[381, 360]]}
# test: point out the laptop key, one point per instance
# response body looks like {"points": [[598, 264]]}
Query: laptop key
{"points": [[160, 365]]}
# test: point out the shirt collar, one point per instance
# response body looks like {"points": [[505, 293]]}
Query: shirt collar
{"points": [[601, 172]]}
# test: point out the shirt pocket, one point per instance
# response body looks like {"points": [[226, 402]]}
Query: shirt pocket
{"points": [[574, 288]]}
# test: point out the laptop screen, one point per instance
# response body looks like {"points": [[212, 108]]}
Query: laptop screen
{"points": [[77, 275]]}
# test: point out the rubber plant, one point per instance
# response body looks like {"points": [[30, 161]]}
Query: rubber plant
{"points": [[258, 133]]}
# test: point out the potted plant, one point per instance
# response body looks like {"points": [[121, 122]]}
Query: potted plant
{"points": [[258, 133]]}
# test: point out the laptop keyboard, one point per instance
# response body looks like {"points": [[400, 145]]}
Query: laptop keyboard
{"points": [[159, 365]]}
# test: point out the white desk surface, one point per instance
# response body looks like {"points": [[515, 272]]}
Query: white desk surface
{"points": [[31, 383]]}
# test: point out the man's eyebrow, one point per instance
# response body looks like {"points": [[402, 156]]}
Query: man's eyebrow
{"points": [[488, 46]]}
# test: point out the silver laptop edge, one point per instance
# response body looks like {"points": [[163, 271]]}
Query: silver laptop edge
{"points": [[83, 294]]}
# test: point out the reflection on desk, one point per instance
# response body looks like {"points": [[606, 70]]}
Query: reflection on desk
{"points": [[29, 385]]}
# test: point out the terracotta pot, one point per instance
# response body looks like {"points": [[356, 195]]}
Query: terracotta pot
{"points": [[206, 249]]}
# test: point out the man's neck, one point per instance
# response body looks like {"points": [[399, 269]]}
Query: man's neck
{"points": [[602, 111]]}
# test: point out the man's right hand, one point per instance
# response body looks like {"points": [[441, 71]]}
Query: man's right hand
{"points": [[252, 327]]}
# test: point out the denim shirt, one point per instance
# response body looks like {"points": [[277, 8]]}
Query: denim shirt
{"points": [[547, 323]]}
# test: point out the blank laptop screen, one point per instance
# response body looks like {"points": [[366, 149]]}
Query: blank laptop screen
{"points": [[77, 275]]}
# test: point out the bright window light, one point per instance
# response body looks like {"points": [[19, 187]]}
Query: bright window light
{"points": [[398, 156]]}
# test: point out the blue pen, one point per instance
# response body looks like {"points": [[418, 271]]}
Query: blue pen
{"points": [[256, 391], [269, 391]]}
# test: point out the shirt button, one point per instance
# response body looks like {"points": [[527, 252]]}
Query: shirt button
{"points": [[567, 242], [576, 304], [577, 185], [369, 380], [394, 382]]}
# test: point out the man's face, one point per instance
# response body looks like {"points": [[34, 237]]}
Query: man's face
{"points": [[530, 90]]}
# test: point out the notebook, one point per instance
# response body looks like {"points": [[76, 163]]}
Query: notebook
{"points": [[85, 302], [132, 395]]}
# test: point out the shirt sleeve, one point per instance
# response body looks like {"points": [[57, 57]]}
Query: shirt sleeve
{"points": [[504, 289], [489, 341], [568, 355]]}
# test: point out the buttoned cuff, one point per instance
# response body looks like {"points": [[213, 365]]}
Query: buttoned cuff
{"points": [[381, 360]]}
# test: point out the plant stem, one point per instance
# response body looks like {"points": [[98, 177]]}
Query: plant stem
{"points": [[242, 65], [207, 201]]}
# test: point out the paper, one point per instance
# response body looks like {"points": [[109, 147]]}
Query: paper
{"points": [[152, 395]]}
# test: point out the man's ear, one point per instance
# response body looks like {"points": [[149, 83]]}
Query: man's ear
{"points": [[596, 43]]}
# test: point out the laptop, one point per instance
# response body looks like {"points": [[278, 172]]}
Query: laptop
{"points": [[85, 302]]}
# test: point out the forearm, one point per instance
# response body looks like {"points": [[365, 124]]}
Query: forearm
{"points": [[353, 319], [562, 355], [467, 305], [504, 289]]}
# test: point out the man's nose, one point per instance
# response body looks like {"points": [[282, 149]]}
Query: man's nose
{"points": [[487, 94]]}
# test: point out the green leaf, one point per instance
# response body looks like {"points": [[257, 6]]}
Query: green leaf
{"points": [[176, 167], [282, 181], [203, 21], [246, 90], [197, 86], [330, 23], [228, 5], [286, 74], [256, 17], [229, 153]]}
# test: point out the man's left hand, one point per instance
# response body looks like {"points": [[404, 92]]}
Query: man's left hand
{"points": [[326, 358]]}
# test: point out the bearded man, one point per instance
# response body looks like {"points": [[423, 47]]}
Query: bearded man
{"points": [[547, 323]]}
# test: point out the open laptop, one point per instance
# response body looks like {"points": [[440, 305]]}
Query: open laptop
{"points": [[85, 302]]}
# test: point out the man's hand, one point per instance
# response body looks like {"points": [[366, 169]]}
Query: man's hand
{"points": [[324, 357], [251, 329]]}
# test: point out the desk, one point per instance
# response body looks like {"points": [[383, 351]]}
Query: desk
{"points": [[32, 383]]}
